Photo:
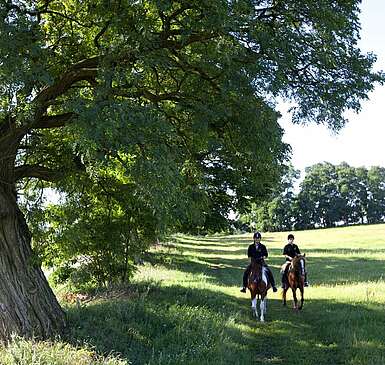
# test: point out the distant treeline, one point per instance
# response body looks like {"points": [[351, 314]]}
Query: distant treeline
{"points": [[330, 195]]}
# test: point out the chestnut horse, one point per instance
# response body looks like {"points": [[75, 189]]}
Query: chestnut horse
{"points": [[295, 280], [258, 286]]}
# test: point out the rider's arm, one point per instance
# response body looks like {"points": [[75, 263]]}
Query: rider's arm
{"points": [[264, 253], [285, 253], [298, 252]]}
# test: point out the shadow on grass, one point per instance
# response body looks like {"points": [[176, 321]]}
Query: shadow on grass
{"points": [[347, 270], [233, 240], [217, 270], [334, 268], [164, 325], [175, 325], [181, 325]]}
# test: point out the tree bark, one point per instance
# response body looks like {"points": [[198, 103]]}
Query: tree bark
{"points": [[28, 307]]}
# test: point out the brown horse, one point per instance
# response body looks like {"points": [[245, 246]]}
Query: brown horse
{"points": [[258, 286], [295, 280]]}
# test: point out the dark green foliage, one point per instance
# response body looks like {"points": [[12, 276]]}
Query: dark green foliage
{"points": [[276, 214], [158, 116], [329, 195]]}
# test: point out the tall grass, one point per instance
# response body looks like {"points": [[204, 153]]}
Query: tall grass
{"points": [[30, 352], [184, 306]]}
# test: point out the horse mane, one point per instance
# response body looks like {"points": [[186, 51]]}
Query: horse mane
{"points": [[256, 269], [296, 263], [297, 259], [255, 262]]}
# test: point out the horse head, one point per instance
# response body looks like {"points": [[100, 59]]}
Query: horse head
{"points": [[255, 271], [298, 264]]}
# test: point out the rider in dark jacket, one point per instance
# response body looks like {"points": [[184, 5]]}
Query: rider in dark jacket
{"points": [[290, 251], [258, 251]]}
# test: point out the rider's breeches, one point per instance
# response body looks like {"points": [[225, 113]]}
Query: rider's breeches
{"points": [[245, 276], [270, 276], [284, 270]]}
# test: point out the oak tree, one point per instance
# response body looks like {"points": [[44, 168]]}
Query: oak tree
{"points": [[178, 96]]}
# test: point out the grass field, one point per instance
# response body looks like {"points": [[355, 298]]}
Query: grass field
{"points": [[184, 305]]}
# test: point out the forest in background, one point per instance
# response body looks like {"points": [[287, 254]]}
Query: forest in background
{"points": [[328, 196]]}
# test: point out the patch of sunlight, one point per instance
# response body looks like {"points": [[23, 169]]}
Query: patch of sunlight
{"points": [[245, 329], [204, 247], [303, 344], [369, 292], [326, 346], [369, 345], [137, 336], [270, 360], [240, 326], [160, 273], [292, 325]]}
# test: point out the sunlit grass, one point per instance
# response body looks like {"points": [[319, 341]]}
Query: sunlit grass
{"points": [[30, 352], [184, 307]]}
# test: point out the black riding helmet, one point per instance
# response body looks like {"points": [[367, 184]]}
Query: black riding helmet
{"points": [[257, 235]]}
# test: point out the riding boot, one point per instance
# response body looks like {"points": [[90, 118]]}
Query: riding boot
{"points": [[271, 279], [306, 283], [245, 278]]}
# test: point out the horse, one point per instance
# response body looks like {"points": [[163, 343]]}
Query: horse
{"points": [[258, 286], [295, 280]]}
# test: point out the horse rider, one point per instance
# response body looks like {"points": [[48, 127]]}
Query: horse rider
{"points": [[290, 251], [258, 251]]}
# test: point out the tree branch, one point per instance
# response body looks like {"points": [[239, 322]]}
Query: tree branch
{"points": [[36, 171], [54, 121], [64, 83], [146, 94]]}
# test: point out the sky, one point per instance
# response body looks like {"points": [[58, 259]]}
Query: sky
{"points": [[362, 141]]}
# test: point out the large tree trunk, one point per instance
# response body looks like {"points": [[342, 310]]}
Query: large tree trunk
{"points": [[28, 306]]}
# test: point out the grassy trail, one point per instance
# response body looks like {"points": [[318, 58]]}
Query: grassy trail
{"points": [[185, 306]]}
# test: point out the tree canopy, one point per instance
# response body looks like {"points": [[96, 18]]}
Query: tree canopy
{"points": [[165, 107]]}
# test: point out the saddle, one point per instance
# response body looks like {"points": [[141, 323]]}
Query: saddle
{"points": [[256, 271], [256, 277], [285, 267]]}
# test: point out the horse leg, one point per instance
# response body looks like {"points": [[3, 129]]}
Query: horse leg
{"points": [[301, 305], [295, 298], [263, 309], [284, 296], [254, 311]]}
